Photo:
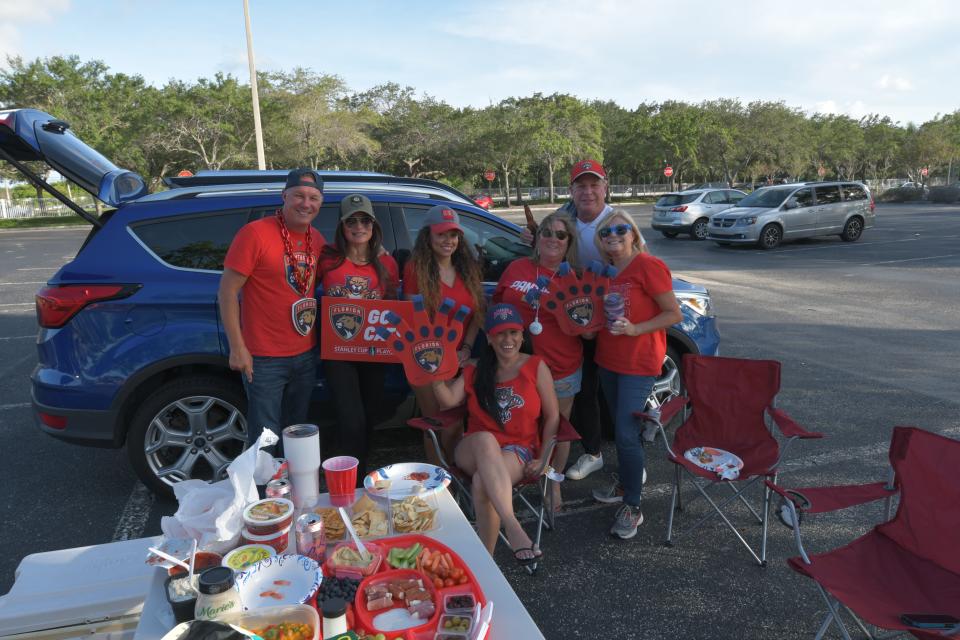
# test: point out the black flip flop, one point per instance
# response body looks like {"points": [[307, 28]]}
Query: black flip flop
{"points": [[525, 562]]}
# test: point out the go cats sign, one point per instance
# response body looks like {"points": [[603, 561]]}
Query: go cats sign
{"points": [[348, 328]]}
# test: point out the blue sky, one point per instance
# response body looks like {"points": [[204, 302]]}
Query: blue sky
{"points": [[894, 58]]}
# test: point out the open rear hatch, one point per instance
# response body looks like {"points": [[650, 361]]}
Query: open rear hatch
{"points": [[31, 135]]}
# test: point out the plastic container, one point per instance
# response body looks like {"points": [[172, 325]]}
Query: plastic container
{"points": [[248, 555], [452, 603], [458, 630], [409, 515], [257, 619], [203, 560], [345, 571], [182, 605], [267, 516], [279, 540]]}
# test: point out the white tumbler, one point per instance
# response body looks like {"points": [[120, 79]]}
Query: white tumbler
{"points": [[301, 446]]}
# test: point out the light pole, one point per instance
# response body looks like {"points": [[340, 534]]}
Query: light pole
{"points": [[258, 131]]}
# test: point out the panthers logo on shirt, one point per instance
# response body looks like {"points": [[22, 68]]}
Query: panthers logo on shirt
{"points": [[507, 400], [302, 260], [357, 287], [428, 355], [346, 320]]}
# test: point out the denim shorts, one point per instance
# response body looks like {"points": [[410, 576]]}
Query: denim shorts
{"points": [[569, 386], [525, 454]]}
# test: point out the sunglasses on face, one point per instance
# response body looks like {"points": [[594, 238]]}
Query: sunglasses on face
{"points": [[620, 230], [550, 233], [366, 221]]}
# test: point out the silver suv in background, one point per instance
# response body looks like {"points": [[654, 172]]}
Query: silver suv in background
{"points": [[787, 212], [690, 211]]}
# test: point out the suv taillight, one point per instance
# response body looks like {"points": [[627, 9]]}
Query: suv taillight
{"points": [[680, 209], [873, 205], [58, 303]]}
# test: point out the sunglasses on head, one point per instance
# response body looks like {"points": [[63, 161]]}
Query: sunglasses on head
{"points": [[560, 234], [620, 230], [353, 221]]}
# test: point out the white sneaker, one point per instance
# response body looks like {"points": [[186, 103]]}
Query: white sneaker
{"points": [[584, 466]]}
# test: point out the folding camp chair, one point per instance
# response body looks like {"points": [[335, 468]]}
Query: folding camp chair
{"points": [[729, 400], [909, 564], [542, 510]]}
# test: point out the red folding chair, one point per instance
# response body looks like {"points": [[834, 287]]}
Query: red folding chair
{"points": [[542, 510], [729, 400], [909, 564]]}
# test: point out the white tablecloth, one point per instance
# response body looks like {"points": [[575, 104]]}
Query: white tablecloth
{"points": [[510, 618]]}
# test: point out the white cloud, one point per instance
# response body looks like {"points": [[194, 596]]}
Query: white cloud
{"points": [[14, 13], [896, 83]]}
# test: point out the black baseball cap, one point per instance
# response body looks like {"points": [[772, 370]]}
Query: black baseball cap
{"points": [[304, 178]]}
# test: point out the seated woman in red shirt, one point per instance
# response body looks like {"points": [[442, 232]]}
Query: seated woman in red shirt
{"points": [[507, 393]]}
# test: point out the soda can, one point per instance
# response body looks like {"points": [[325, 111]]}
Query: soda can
{"points": [[278, 488], [283, 468], [311, 537]]}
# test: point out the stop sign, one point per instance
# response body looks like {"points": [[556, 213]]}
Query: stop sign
{"points": [[668, 171], [924, 172], [489, 176]]}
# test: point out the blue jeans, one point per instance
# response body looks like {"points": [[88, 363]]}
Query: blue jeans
{"points": [[280, 392], [626, 394]]}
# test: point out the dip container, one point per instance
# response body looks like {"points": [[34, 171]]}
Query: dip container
{"points": [[203, 560], [267, 516], [248, 555], [182, 598], [279, 540]]}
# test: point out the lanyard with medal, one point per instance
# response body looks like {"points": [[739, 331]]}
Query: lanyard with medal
{"points": [[304, 311]]}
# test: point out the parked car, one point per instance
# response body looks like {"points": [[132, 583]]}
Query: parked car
{"points": [[787, 212], [689, 211], [483, 200], [130, 346]]}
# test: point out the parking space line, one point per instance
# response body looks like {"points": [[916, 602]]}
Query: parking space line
{"points": [[7, 284], [18, 304], [133, 519], [949, 255], [32, 335], [18, 405]]}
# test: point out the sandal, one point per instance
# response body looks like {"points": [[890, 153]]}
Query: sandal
{"points": [[524, 562]]}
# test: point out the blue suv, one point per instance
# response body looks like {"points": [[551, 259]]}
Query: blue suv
{"points": [[131, 349]]}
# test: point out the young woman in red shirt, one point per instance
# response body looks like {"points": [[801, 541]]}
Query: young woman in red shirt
{"points": [[442, 266], [510, 405], [555, 242], [355, 267], [639, 305]]}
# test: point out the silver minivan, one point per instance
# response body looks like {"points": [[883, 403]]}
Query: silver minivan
{"points": [[689, 211], [787, 212]]}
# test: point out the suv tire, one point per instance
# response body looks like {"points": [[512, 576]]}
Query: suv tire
{"points": [[700, 229], [770, 237], [852, 230], [194, 427]]}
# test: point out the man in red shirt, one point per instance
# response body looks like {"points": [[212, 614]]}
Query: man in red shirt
{"points": [[268, 306]]}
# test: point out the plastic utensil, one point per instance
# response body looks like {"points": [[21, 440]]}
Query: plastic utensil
{"points": [[483, 622], [353, 534], [168, 557], [193, 558]]}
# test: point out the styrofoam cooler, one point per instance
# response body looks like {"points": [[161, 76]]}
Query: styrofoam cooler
{"points": [[86, 587]]}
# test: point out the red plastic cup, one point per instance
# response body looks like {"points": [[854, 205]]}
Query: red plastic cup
{"points": [[341, 476]]}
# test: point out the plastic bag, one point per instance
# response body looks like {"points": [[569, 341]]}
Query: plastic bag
{"points": [[212, 513]]}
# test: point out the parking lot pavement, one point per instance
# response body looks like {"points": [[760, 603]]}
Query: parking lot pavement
{"points": [[868, 339]]}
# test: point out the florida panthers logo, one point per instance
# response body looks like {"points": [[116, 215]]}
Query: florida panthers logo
{"points": [[428, 355], [304, 312], [300, 264], [507, 400], [346, 320], [580, 310]]}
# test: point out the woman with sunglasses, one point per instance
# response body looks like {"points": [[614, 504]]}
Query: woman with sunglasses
{"points": [[640, 305], [555, 242], [354, 266], [442, 266]]}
